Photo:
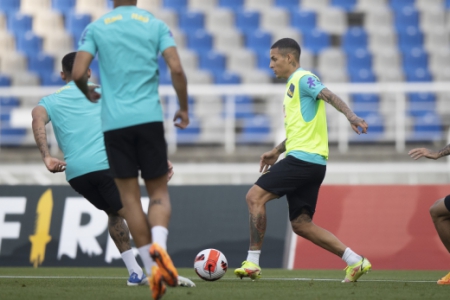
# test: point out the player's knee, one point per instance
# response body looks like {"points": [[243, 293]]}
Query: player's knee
{"points": [[302, 225], [439, 210]]}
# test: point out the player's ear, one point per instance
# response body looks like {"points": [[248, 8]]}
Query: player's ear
{"points": [[63, 76]]}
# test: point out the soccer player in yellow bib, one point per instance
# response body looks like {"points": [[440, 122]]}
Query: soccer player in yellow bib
{"points": [[300, 174], [440, 210]]}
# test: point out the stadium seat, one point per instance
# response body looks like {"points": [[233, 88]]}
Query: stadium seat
{"points": [[263, 61], [202, 5], [52, 79], [63, 6], [15, 62], [12, 136], [410, 37], [219, 20], [35, 7], [331, 59], [47, 22], [232, 4], [375, 122], [228, 41], [432, 20], [418, 75], [347, 5], [259, 5], [316, 5], [9, 6], [199, 40], [256, 76], [7, 42], [29, 43], [191, 20], [190, 134], [383, 40], [427, 128], [361, 75], [405, 17], [9, 102], [274, 19], [447, 4], [370, 5], [76, 23], [258, 40], [303, 20], [378, 19], [243, 106], [247, 20], [164, 78], [421, 104], [177, 5], [355, 37], [25, 79], [212, 61], [4, 80], [437, 40], [169, 17], [255, 129], [227, 78], [400, 4], [189, 59], [241, 60], [332, 21], [95, 67], [415, 58], [59, 42], [41, 64], [19, 23], [288, 4], [316, 40], [359, 59]]}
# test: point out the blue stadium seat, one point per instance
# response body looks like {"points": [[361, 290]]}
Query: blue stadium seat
{"points": [[213, 61], [288, 4], [178, 5], [355, 37], [52, 79], [164, 77], [199, 40], [255, 129], [4, 80], [9, 6], [418, 75], [41, 63], [407, 16], [316, 40], [415, 58], [19, 23], [232, 4], [29, 43], [162, 66], [95, 67], [359, 59], [428, 127], [9, 102], [258, 40], [410, 37], [347, 5], [400, 4], [304, 20], [361, 75], [374, 120], [12, 136], [64, 6], [191, 20], [264, 60], [421, 104], [247, 20], [76, 23], [447, 4], [366, 102], [226, 77]]}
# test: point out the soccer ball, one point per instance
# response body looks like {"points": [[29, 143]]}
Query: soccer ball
{"points": [[210, 264]]}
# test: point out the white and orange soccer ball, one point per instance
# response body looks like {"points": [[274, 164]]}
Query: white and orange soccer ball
{"points": [[210, 264]]}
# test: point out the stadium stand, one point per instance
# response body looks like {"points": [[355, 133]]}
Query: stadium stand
{"points": [[227, 42]]}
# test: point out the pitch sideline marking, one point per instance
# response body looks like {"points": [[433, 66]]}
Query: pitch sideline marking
{"points": [[198, 279]]}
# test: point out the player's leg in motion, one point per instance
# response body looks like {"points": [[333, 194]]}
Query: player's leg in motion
{"points": [[158, 217], [120, 234], [305, 227], [256, 200], [440, 213]]}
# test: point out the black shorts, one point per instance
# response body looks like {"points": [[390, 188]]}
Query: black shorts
{"points": [[447, 202], [140, 147], [99, 189], [297, 179]]}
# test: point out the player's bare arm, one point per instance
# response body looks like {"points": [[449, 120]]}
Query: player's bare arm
{"points": [[40, 119], [268, 159], [80, 67], [342, 107], [427, 153], [180, 85]]}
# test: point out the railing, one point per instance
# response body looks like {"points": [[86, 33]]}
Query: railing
{"points": [[270, 94]]}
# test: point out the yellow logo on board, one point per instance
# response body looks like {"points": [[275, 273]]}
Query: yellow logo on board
{"points": [[41, 236]]}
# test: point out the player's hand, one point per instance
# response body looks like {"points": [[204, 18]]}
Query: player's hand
{"points": [[423, 152], [170, 171], [94, 96], [356, 122], [184, 119], [54, 165], [268, 159]]}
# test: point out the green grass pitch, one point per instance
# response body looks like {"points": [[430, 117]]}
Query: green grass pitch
{"points": [[110, 283]]}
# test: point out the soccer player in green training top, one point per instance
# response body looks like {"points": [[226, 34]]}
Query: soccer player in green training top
{"points": [[79, 134], [299, 175], [440, 210], [128, 41]]}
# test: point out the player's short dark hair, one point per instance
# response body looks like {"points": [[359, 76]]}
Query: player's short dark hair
{"points": [[288, 45], [67, 62]]}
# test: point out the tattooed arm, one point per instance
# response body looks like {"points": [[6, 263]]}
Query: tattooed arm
{"points": [[424, 152], [40, 118], [340, 105]]}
